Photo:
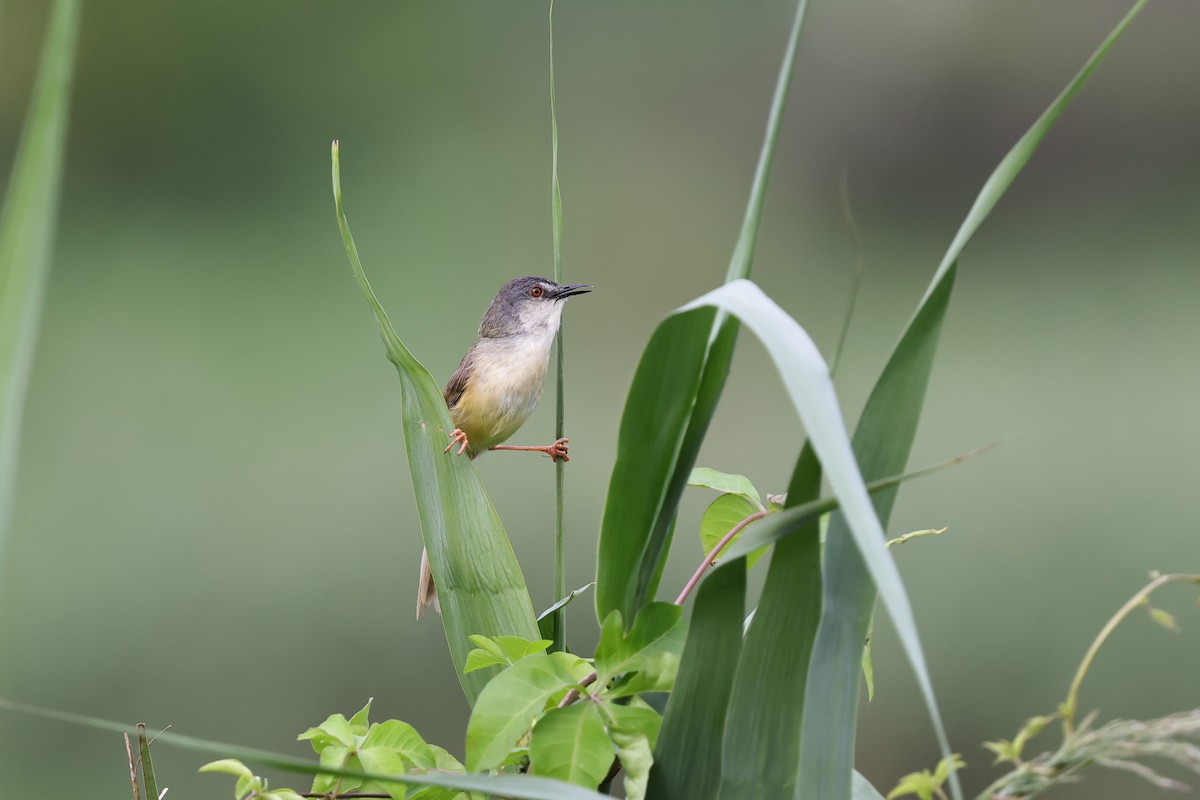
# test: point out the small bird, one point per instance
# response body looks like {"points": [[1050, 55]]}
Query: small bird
{"points": [[499, 381]]}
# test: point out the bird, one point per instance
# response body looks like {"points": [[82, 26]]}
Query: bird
{"points": [[500, 379]]}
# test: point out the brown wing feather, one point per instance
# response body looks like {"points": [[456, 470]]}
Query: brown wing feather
{"points": [[458, 381]]}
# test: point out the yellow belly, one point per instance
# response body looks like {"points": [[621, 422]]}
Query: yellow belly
{"points": [[502, 392]]}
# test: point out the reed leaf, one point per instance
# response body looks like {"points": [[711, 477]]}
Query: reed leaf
{"points": [[479, 581]]}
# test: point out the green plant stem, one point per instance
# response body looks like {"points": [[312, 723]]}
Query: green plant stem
{"points": [[1070, 705], [560, 559]]}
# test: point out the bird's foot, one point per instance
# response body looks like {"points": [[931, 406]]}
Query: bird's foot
{"points": [[459, 437], [555, 451], [558, 450]]}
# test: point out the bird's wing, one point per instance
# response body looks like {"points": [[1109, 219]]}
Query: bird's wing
{"points": [[458, 381]]}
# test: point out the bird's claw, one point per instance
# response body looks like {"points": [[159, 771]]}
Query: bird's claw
{"points": [[558, 450], [459, 437]]}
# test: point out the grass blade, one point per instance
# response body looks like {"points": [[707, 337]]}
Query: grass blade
{"points": [[519, 787], [27, 224], [687, 757], [761, 752], [882, 442], [479, 581], [810, 388], [647, 484]]}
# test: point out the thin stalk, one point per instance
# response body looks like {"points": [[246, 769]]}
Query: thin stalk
{"points": [[560, 570], [1071, 704], [712, 555]]}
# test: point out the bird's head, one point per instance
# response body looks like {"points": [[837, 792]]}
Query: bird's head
{"points": [[528, 305]]}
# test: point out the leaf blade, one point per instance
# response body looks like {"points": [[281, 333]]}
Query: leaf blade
{"points": [[27, 222], [479, 581]]}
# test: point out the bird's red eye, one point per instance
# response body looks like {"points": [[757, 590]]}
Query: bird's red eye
{"points": [[536, 291]]}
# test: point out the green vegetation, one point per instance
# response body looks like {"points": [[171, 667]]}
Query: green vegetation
{"points": [[727, 702]]}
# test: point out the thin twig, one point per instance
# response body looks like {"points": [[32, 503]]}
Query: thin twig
{"points": [[716, 551], [573, 695], [132, 769], [1070, 705]]}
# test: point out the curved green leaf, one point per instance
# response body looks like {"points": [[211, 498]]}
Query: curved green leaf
{"points": [[508, 705], [722, 516], [570, 744], [882, 441], [27, 223], [724, 482], [479, 581], [651, 648]]}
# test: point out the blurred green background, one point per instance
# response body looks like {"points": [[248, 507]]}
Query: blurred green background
{"points": [[214, 526]]}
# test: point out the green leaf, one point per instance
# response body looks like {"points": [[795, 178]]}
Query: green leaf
{"points": [[721, 516], [726, 483], [516, 787], [652, 465], [1164, 618], [687, 756], [384, 761], [761, 750], [634, 729], [27, 224], [509, 704], [882, 442], [230, 766], [401, 738], [570, 744], [361, 720], [502, 651], [334, 730], [479, 581], [651, 648]]}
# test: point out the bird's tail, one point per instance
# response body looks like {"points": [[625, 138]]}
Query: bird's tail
{"points": [[426, 592]]}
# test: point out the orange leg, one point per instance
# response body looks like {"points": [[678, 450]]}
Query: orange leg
{"points": [[555, 451], [459, 438]]}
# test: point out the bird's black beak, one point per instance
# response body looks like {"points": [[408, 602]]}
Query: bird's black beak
{"points": [[564, 292]]}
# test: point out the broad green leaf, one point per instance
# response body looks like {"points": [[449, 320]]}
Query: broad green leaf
{"points": [[649, 475], [509, 704], [721, 516], [687, 756], [634, 730], [401, 738], [501, 651], [516, 787], [725, 482], [334, 730], [570, 744], [651, 649], [675, 390], [27, 224], [384, 761], [882, 441], [479, 581], [807, 381], [761, 749]]}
